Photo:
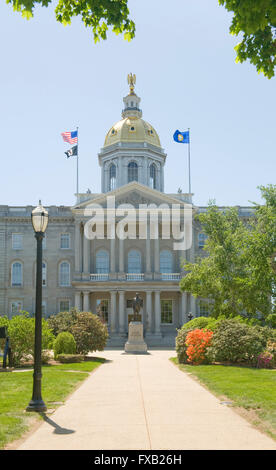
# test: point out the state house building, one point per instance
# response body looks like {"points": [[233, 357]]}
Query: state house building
{"points": [[103, 275]]}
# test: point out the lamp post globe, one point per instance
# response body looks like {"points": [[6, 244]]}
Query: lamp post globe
{"points": [[39, 222]]}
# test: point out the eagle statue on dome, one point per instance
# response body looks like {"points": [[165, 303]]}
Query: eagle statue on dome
{"points": [[131, 80]]}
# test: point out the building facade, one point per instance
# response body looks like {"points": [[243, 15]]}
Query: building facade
{"points": [[102, 273]]}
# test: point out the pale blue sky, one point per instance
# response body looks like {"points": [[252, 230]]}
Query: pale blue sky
{"points": [[54, 78]]}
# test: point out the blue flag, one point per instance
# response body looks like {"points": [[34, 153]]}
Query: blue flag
{"points": [[182, 137]]}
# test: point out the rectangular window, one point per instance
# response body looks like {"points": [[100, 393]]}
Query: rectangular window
{"points": [[203, 308], [102, 309], [166, 311], [64, 305], [17, 241], [16, 306], [65, 241]]}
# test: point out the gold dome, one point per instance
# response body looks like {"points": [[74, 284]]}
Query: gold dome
{"points": [[132, 129]]}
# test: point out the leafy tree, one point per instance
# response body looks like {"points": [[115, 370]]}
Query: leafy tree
{"points": [[95, 14], [237, 275], [256, 20]]}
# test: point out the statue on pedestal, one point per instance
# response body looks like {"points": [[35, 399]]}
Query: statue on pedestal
{"points": [[136, 305]]}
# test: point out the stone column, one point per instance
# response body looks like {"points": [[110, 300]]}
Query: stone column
{"points": [[193, 305], [78, 300], [121, 256], [86, 301], [112, 255], [148, 253], [183, 308], [157, 306], [156, 256], [86, 255], [77, 247], [113, 311], [149, 311], [121, 311]]}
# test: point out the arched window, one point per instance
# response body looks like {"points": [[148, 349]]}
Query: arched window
{"points": [[153, 176], [102, 262], [16, 274], [166, 261], [132, 172], [44, 273], [134, 261], [112, 177], [64, 274]]}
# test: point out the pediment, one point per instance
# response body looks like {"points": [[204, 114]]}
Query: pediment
{"points": [[132, 193]]}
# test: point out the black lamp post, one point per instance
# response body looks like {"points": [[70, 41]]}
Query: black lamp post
{"points": [[40, 222], [190, 316]]}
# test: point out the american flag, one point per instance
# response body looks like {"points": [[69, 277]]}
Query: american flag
{"points": [[70, 137]]}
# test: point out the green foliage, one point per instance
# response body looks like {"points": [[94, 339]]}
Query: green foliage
{"points": [[89, 332], [238, 274], [64, 344], [180, 345], [236, 342], [271, 320], [63, 321], [256, 20], [98, 15], [21, 330]]}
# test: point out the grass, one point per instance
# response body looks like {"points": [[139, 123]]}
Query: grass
{"points": [[58, 381], [251, 389]]}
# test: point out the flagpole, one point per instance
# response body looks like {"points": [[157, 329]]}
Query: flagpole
{"points": [[189, 160]]}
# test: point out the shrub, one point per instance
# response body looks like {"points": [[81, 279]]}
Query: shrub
{"points": [[236, 342], [199, 322], [197, 342], [64, 344], [69, 358], [181, 348], [63, 321], [89, 332], [21, 330]]}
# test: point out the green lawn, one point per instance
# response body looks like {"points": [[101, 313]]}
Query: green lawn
{"points": [[58, 381], [246, 387]]}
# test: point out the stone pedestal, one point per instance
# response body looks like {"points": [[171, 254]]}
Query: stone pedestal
{"points": [[135, 343]]}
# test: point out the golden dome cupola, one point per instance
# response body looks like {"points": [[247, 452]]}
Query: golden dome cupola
{"points": [[132, 149]]}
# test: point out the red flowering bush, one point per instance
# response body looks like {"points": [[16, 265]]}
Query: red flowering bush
{"points": [[197, 342], [265, 360]]}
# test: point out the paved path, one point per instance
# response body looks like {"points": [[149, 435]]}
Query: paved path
{"points": [[144, 402]]}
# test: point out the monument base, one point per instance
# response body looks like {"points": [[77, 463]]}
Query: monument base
{"points": [[135, 343]]}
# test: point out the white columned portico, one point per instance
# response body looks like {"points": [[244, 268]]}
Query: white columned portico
{"points": [[121, 311]]}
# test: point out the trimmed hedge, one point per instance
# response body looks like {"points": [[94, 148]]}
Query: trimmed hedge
{"points": [[69, 358], [64, 344]]}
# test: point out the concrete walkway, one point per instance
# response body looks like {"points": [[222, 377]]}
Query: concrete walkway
{"points": [[144, 402]]}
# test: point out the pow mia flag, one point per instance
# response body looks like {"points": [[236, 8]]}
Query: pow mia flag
{"points": [[71, 152]]}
